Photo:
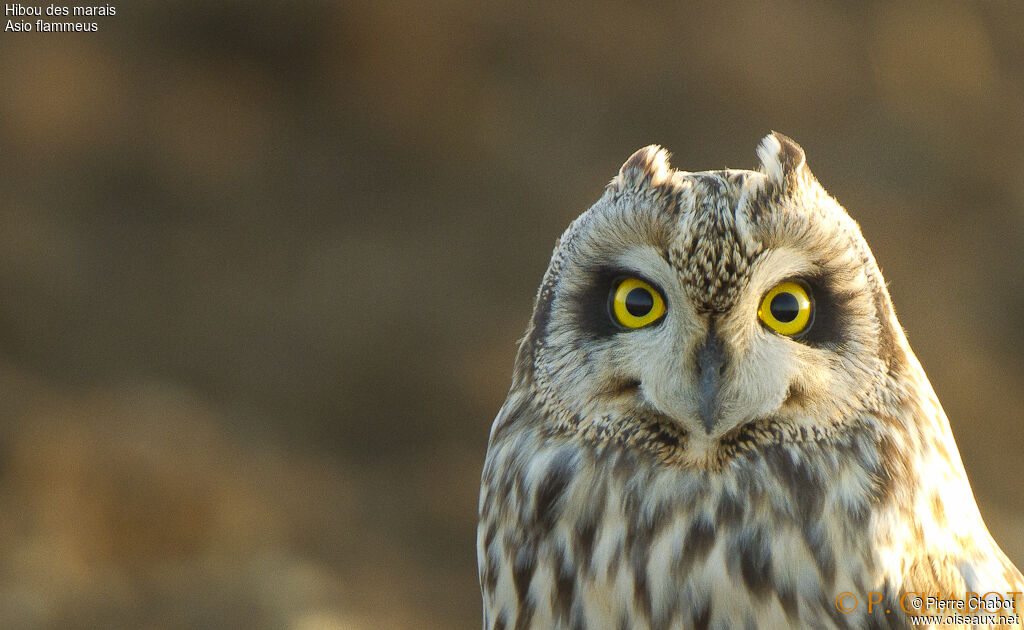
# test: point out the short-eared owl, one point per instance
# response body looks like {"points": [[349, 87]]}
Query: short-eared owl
{"points": [[716, 421]]}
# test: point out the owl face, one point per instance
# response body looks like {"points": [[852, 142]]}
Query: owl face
{"points": [[707, 304]]}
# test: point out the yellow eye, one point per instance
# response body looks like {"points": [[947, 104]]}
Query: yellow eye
{"points": [[636, 304], [786, 309]]}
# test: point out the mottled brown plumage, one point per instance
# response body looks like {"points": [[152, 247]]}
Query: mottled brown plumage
{"points": [[706, 471]]}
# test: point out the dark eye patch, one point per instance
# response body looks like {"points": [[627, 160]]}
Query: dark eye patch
{"points": [[831, 309], [591, 305]]}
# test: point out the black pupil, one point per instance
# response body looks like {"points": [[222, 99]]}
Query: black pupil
{"points": [[639, 302], [785, 307]]}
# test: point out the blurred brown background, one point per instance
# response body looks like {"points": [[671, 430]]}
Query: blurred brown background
{"points": [[263, 265]]}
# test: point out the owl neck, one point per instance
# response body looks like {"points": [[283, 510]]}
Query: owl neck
{"points": [[926, 481]]}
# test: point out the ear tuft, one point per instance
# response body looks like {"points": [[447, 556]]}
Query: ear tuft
{"points": [[782, 159], [647, 168]]}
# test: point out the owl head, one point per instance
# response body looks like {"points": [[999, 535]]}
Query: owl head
{"points": [[707, 306]]}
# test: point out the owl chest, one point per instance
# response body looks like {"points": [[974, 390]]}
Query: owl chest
{"points": [[774, 572], [666, 552]]}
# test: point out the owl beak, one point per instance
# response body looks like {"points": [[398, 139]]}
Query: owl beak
{"points": [[710, 368]]}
